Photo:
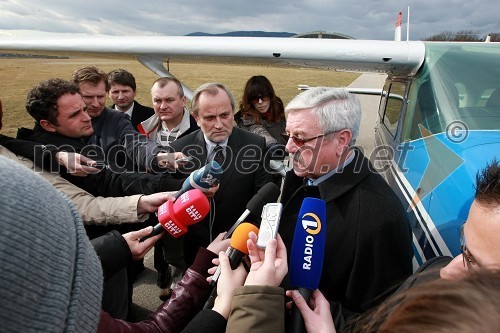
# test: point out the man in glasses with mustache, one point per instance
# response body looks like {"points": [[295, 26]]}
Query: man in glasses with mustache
{"points": [[368, 235]]}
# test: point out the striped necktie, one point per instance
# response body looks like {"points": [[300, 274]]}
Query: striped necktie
{"points": [[219, 154]]}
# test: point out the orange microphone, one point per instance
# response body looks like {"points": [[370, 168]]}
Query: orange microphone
{"points": [[236, 251]]}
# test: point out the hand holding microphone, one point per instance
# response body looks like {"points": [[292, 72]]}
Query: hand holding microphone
{"points": [[229, 280], [235, 252], [269, 265], [268, 269], [317, 319], [237, 247], [175, 217], [137, 248], [201, 180], [307, 254]]}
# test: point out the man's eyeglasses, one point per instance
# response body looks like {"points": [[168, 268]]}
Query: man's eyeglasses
{"points": [[263, 98], [299, 142], [467, 257]]}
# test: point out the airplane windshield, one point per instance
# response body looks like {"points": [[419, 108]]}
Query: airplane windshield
{"points": [[459, 82]]}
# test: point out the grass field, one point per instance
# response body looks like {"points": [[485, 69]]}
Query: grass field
{"points": [[18, 75]]}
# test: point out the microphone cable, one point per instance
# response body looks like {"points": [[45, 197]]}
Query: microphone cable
{"points": [[211, 217]]}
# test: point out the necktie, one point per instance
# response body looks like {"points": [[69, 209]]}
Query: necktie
{"points": [[219, 154]]}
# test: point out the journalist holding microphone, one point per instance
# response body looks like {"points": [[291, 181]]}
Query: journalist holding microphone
{"points": [[247, 302]]}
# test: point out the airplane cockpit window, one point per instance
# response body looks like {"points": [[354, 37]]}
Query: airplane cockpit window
{"points": [[453, 86], [393, 106], [494, 99]]}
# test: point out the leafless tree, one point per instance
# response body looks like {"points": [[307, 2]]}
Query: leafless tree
{"points": [[457, 36]]}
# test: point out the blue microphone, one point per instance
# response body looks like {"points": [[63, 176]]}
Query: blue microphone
{"points": [[202, 179], [308, 251]]}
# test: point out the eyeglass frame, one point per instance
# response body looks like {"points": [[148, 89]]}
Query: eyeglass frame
{"points": [[467, 257], [263, 98], [299, 142]]}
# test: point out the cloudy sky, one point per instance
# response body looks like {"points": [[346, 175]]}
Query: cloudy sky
{"points": [[361, 19]]}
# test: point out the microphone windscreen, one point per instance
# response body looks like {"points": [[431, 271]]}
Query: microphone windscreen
{"points": [[268, 193], [308, 247], [240, 236], [191, 207], [206, 177]]}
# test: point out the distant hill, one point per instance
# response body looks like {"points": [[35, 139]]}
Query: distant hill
{"points": [[245, 34], [28, 55]]}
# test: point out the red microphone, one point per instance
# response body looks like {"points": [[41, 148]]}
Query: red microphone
{"points": [[175, 217]]}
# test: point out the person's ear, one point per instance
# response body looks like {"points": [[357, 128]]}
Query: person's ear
{"points": [[344, 138], [197, 119], [46, 125]]}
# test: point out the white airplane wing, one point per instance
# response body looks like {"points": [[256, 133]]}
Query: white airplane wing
{"points": [[351, 55], [391, 57]]}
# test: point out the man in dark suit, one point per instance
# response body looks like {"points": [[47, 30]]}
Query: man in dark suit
{"points": [[368, 242], [124, 148], [242, 154], [122, 91], [171, 121]]}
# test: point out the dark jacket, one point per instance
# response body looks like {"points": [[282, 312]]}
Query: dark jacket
{"points": [[124, 147], [42, 156], [113, 251], [243, 175], [368, 244], [207, 321], [429, 271], [105, 183], [271, 131], [173, 315], [139, 113]]}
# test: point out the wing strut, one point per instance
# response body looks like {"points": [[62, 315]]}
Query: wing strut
{"points": [[155, 65]]}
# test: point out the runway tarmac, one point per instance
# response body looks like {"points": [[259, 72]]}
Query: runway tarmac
{"points": [[145, 296]]}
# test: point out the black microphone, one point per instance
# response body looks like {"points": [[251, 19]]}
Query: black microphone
{"points": [[308, 251], [268, 193], [236, 251]]}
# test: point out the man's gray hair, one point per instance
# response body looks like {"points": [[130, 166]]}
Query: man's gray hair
{"points": [[335, 108], [211, 88]]}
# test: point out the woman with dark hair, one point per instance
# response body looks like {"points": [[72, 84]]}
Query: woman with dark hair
{"points": [[261, 111]]}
